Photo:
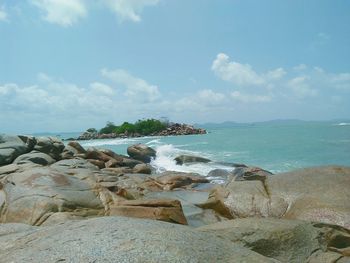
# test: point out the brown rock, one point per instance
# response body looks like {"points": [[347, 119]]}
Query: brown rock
{"points": [[170, 180], [142, 169], [100, 164], [141, 152], [97, 155], [163, 209], [319, 194]]}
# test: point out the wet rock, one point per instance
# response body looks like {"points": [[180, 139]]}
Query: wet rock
{"points": [[167, 210], [183, 159], [285, 240], [141, 152]]}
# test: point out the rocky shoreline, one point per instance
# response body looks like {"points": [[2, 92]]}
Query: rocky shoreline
{"points": [[64, 203], [174, 129]]}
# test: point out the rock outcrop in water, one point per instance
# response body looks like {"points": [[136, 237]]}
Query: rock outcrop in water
{"points": [[66, 203], [172, 130]]}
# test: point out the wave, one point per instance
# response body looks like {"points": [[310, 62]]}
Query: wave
{"points": [[104, 142], [343, 124], [166, 154]]}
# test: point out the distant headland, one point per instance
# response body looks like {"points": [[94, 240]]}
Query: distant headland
{"points": [[148, 127]]}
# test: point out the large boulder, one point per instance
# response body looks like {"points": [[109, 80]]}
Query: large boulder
{"points": [[291, 241], [141, 152], [31, 194], [13, 146], [184, 159], [50, 145], [316, 194], [118, 239], [34, 157]]}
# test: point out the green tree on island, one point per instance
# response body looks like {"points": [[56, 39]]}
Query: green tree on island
{"points": [[143, 127]]}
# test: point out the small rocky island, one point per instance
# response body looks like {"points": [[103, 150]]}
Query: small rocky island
{"points": [[63, 203], [149, 127]]}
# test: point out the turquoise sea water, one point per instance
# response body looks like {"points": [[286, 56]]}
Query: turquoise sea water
{"points": [[277, 147]]}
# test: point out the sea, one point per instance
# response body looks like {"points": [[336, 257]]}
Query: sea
{"points": [[277, 146]]}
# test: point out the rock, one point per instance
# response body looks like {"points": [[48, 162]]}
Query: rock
{"points": [[302, 194], [31, 194], [112, 163], [250, 173], [285, 240], [50, 145], [77, 147], [142, 169], [167, 210], [183, 159], [189, 199], [170, 180], [13, 146], [141, 152], [34, 157], [98, 163], [120, 239], [95, 154]]}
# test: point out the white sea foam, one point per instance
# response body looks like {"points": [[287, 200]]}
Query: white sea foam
{"points": [[343, 124], [104, 142], [164, 161]]}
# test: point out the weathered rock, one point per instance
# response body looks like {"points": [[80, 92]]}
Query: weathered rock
{"points": [[100, 164], [250, 173], [119, 170], [32, 194], [170, 180], [142, 169], [316, 194], [95, 154], [50, 145], [78, 148], [120, 239], [168, 210], [183, 159], [285, 240], [13, 146], [34, 157], [141, 152]]}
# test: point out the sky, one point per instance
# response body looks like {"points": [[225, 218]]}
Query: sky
{"points": [[68, 65]]}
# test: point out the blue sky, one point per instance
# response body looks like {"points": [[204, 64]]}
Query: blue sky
{"points": [[67, 65]]}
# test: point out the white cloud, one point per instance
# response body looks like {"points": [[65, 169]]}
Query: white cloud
{"points": [[239, 74], [3, 14], [249, 98], [243, 74], [301, 87], [209, 97], [62, 12], [129, 9], [135, 88], [101, 88]]}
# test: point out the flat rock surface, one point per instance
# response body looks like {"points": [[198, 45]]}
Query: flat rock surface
{"points": [[120, 239]]}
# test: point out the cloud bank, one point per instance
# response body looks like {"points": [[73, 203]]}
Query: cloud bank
{"points": [[242, 94]]}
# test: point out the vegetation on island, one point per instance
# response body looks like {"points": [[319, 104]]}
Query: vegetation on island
{"points": [[142, 127]]}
